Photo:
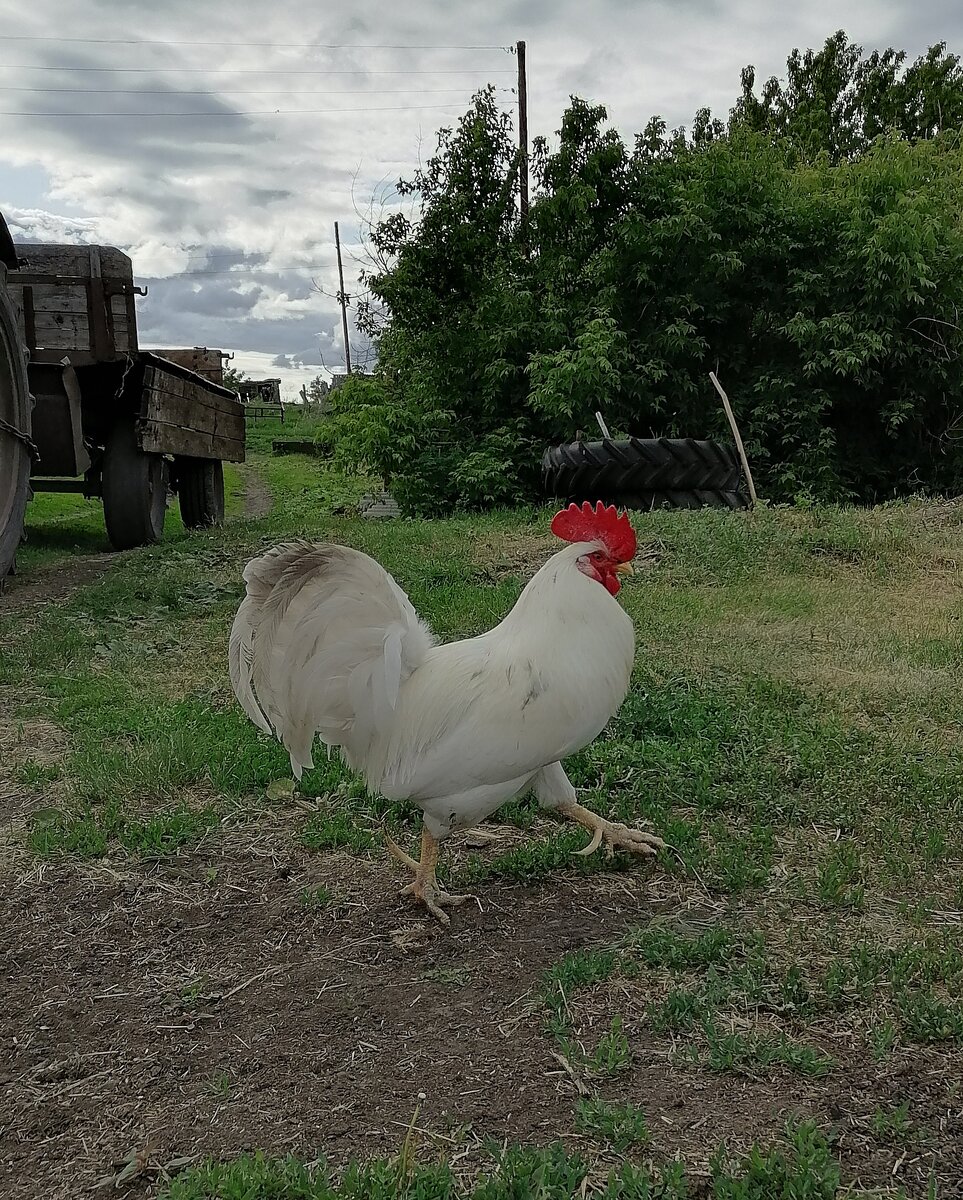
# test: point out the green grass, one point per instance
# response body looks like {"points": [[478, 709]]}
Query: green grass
{"points": [[579, 969], [315, 898], [63, 524], [742, 1000], [219, 1087], [801, 1166], [88, 831], [731, 1050], [794, 731], [619, 1126], [782, 717], [892, 1123]]}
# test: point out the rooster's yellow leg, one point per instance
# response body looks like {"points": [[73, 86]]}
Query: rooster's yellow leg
{"points": [[614, 835], [425, 886]]}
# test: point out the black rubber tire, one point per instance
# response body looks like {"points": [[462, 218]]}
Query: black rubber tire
{"points": [[16, 404], [646, 473], [200, 491], [134, 490], [596, 470]]}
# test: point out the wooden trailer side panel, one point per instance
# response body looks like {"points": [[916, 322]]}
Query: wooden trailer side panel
{"points": [[55, 316], [75, 300], [180, 415], [199, 359]]}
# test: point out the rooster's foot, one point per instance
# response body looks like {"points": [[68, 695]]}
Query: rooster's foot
{"points": [[434, 898], [424, 886], [612, 834]]}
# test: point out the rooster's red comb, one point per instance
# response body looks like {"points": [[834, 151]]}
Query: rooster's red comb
{"points": [[588, 524]]}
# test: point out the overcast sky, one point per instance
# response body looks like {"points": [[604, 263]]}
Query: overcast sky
{"points": [[268, 122]]}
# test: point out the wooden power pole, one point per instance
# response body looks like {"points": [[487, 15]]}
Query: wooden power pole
{"points": [[343, 301], [522, 133]]}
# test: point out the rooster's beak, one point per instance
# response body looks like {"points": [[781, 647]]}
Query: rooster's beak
{"points": [[625, 568]]}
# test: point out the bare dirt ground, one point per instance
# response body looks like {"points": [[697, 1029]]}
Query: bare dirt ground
{"points": [[256, 494], [160, 1012], [55, 580]]}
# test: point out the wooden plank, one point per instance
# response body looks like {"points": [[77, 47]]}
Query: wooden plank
{"points": [[53, 259], [182, 410], [59, 259], [78, 358], [195, 389], [53, 298], [185, 403], [162, 437], [57, 422], [118, 320], [100, 331], [62, 319], [172, 398], [28, 326], [93, 282], [61, 331], [198, 359], [131, 321]]}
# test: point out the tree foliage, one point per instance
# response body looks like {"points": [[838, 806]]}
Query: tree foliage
{"points": [[809, 249], [233, 378], [836, 101]]}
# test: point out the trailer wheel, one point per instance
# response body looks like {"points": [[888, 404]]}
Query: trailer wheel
{"points": [[200, 488], [134, 488], [15, 404]]}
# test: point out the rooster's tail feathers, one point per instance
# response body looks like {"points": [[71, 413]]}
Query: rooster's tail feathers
{"points": [[320, 645]]}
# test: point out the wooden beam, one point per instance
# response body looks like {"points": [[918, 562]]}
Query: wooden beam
{"points": [[162, 437]]}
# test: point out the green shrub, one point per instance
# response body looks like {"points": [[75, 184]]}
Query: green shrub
{"points": [[810, 250]]}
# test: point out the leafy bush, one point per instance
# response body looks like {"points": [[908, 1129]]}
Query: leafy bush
{"points": [[810, 250]]}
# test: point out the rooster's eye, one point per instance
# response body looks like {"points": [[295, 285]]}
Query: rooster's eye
{"points": [[598, 555]]}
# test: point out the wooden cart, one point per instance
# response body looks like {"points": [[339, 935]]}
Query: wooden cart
{"points": [[110, 419]]}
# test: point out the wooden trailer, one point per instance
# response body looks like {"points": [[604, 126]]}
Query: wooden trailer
{"points": [[261, 398], [200, 360], [109, 419]]}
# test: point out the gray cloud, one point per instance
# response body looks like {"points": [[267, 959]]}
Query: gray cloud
{"points": [[228, 214]]}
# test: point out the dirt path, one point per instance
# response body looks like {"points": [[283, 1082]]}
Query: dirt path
{"points": [[199, 1008], [55, 581], [257, 495]]}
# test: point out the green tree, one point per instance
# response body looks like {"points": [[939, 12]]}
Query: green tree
{"points": [[837, 102], [443, 420], [233, 379], [810, 250]]}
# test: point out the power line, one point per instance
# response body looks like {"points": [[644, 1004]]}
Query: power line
{"points": [[210, 254], [260, 70], [254, 112], [241, 91], [248, 271], [26, 37], [207, 254]]}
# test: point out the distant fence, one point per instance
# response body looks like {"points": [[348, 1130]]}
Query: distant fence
{"points": [[255, 412], [261, 398]]}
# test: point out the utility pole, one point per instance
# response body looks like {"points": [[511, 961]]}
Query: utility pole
{"points": [[522, 133], [343, 301]]}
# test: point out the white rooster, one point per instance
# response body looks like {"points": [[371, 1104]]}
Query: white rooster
{"points": [[326, 643]]}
